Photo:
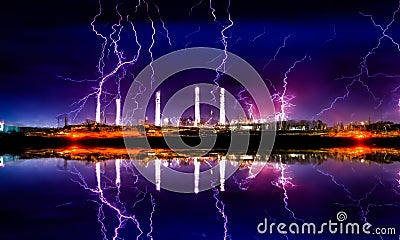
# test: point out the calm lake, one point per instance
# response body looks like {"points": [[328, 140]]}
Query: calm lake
{"points": [[55, 198]]}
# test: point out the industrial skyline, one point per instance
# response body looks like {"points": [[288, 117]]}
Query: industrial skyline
{"points": [[158, 114], [334, 61]]}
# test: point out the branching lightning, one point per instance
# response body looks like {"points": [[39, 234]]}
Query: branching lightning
{"points": [[284, 182], [153, 204], [398, 183], [220, 70], [248, 104], [277, 51], [221, 209], [363, 66], [282, 97], [358, 202], [163, 26], [108, 200], [244, 184], [110, 50], [128, 119]]}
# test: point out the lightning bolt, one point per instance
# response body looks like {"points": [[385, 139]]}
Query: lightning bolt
{"points": [[398, 103], [333, 37], [277, 51], [398, 183], [151, 45], [332, 178], [364, 71], [244, 184], [100, 65], [153, 204], [191, 34], [194, 6], [284, 182], [220, 70], [110, 49], [220, 206], [358, 202], [108, 200], [150, 50], [258, 36], [248, 104], [282, 97], [163, 26], [365, 211], [120, 213], [128, 118]]}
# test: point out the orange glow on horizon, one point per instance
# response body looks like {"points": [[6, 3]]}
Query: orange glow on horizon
{"points": [[356, 134], [357, 150], [361, 134]]}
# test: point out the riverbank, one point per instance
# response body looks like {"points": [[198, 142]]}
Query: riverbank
{"points": [[14, 142]]}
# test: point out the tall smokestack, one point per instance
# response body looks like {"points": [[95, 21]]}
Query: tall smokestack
{"points": [[98, 120], [222, 107], [158, 110], [196, 106], [118, 112], [157, 173], [196, 175], [222, 170], [98, 175], [118, 172]]}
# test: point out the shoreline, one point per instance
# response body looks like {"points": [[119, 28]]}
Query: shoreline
{"points": [[15, 142]]}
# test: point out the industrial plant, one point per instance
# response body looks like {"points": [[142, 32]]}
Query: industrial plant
{"points": [[161, 126]]}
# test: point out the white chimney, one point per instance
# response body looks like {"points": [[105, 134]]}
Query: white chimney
{"points": [[196, 175], [118, 172], [157, 173], [158, 110], [118, 112], [222, 107], [196, 106]]}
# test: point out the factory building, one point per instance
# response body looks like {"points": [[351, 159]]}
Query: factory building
{"points": [[197, 115], [7, 128]]}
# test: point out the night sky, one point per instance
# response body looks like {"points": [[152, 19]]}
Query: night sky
{"points": [[45, 43]]}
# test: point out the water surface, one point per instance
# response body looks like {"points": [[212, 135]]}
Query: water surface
{"points": [[55, 198]]}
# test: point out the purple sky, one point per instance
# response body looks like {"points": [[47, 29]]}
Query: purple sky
{"points": [[43, 41]]}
